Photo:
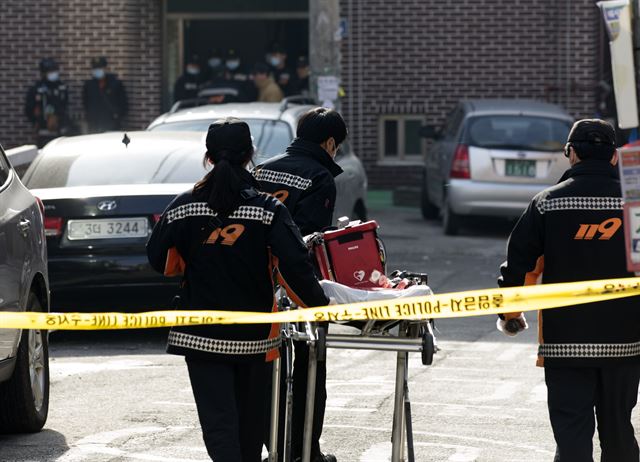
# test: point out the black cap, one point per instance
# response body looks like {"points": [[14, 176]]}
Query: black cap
{"points": [[97, 63], [277, 48], [593, 139], [593, 131], [193, 59], [302, 62], [48, 64], [231, 54], [229, 134], [261, 68]]}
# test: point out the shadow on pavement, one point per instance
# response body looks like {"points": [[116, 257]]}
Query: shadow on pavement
{"points": [[106, 343], [45, 446]]}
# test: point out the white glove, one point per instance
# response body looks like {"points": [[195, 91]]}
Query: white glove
{"points": [[512, 326]]}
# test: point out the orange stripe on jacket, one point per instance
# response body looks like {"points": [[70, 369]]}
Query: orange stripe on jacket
{"points": [[292, 295], [175, 265], [530, 279], [275, 327]]}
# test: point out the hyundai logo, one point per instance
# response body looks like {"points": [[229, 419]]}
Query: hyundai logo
{"points": [[106, 206]]}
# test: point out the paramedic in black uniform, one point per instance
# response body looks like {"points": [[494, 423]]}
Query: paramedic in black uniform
{"points": [[303, 179], [590, 353], [221, 236]]}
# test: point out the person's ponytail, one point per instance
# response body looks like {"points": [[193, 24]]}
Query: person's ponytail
{"points": [[222, 185], [229, 149]]}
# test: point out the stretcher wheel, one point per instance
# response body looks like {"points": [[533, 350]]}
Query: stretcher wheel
{"points": [[428, 348]]}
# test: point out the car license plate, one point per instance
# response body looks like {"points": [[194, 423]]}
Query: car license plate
{"points": [[518, 167], [107, 228]]}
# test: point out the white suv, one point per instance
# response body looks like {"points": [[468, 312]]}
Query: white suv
{"points": [[273, 126]]}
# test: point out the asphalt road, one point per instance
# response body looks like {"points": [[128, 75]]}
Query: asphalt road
{"points": [[117, 397]]}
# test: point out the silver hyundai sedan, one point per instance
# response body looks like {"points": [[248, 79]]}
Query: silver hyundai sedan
{"points": [[491, 157]]}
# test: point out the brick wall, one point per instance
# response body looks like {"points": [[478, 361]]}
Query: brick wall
{"points": [[400, 57], [421, 56], [127, 32]]}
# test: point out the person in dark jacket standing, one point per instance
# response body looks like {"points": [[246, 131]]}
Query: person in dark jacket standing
{"points": [[303, 180], [47, 104], [188, 84], [104, 99], [222, 236], [591, 353]]}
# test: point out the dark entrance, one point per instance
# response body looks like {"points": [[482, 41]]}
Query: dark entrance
{"points": [[249, 27]]}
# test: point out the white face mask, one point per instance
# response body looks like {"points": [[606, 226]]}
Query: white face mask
{"points": [[98, 73], [214, 62], [53, 76], [233, 65], [274, 61], [193, 70]]}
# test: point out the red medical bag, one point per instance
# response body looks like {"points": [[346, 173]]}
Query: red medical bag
{"points": [[350, 255]]}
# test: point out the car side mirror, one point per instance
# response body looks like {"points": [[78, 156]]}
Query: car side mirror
{"points": [[429, 131]]}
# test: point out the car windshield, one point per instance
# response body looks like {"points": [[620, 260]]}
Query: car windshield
{"points": [[271, 137], [518, 132], [154, 165]]}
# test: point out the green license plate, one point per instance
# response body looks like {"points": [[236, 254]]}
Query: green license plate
{"points": [[517, 167]]}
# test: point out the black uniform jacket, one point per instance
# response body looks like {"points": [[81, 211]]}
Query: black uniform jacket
{"points": [[105, 103], [47, 105], [303, 180], [230, 268], [186, 87], [573, 231]]}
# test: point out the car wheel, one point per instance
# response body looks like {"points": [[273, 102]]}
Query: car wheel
{"points": [[360, 211], [450, 219], [429, 211], [24, 398]]}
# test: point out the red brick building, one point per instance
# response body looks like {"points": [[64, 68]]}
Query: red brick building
{"points": [[404, 62]]}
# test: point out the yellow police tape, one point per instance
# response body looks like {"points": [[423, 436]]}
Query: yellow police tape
{"points": [[449, 305]]}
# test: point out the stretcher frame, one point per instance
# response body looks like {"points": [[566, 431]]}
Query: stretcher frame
{"points": [[413, 337]]}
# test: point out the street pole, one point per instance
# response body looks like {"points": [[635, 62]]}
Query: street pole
{"points": [[324, 50]]}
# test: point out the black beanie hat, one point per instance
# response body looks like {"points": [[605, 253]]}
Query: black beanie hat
{"points": [[593, 138], [229, 134]]}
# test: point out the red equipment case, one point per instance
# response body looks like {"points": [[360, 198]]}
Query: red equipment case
{"points": [[350, 255]]}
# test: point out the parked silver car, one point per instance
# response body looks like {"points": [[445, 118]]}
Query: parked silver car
{"points": [[24, 286], [491, 157], [273, 126]]}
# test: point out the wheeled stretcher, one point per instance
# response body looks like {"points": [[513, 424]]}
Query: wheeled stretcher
{"points": [[352, 260]]}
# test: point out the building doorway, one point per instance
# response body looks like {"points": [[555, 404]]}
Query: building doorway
{"points": [[249, 27]]}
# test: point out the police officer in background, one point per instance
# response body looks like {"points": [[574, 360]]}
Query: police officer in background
{"points": [[239, 77], [47, 104], [300, 84], [277, 59], [104, 98], [221, 236], [590, 353], [215, 65], [188, 84], [227, 84], [303, 179]]}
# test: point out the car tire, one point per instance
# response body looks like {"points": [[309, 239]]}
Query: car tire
{"points": [[429, 211], [360, 211], [450, 220], [24, 398]]}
